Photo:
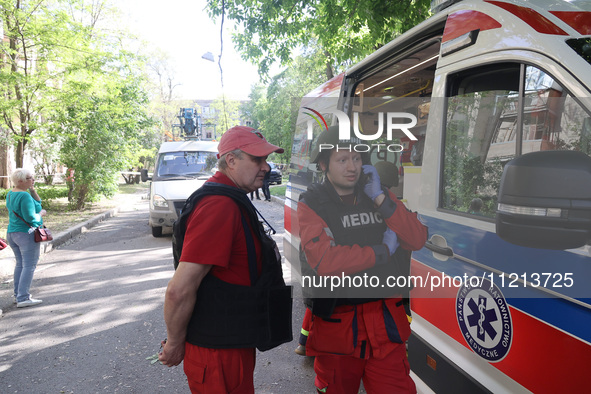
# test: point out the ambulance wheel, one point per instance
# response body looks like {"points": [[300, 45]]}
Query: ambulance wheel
{"points": [[157, 231]]}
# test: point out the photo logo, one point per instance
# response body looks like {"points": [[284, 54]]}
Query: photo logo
{"points": [[391, 120], [317, 118]]}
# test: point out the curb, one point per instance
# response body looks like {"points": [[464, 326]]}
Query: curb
{"points": [[78, 229], [278, 200]]}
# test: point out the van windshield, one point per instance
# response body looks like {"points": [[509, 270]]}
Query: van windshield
{"points": [[183, 164]]}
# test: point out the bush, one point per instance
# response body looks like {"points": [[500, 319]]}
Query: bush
{"points": [[47, 193]]}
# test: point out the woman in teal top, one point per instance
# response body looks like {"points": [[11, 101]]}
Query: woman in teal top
{"points": [[24, 201]]}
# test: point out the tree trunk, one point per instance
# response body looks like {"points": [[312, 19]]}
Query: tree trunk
{"points": [[80, 196], [4, 167], [329, 69], [19, 154]]}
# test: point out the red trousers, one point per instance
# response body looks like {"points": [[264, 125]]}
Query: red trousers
{"points": [[362, 343], [219, 371], [343, 374]]}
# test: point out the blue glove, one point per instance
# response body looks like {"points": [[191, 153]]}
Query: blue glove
{"points": [[373, 187], [390, 240]]}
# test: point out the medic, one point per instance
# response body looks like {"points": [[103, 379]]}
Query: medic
{"points": [[356, 333]]}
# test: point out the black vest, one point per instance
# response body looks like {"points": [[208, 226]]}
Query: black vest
{"points": [[360, 224], [234, 316]]}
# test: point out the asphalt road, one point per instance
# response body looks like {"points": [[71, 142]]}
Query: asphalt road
{"points": [[101, 318]]}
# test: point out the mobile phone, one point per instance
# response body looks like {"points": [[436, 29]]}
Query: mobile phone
{"points": [[363, 178]]}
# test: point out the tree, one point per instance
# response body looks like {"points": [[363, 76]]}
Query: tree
{"points": [[101, 121], [274, 111], [251, 109], [41, 40], [45, 153], [164, 103], [66, 73], [227, 113], [345, 30]]}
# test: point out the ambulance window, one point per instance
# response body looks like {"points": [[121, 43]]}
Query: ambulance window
{"points": [[553, 119], [480, 137]]}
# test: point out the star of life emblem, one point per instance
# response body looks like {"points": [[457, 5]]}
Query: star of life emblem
{"points": [[485, 320]]}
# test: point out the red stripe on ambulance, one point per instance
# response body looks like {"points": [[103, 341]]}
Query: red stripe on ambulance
{"points": [[538, 22], [465, 21], [287, 212], [580, 21]]}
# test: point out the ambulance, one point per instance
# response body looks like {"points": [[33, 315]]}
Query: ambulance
{"points": [[484, 113]]}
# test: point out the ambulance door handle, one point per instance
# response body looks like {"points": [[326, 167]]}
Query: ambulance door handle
{"points": [[438, 244], [446, 251]]}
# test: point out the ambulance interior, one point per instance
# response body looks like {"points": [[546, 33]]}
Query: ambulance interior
{"points": [[403, 85]]}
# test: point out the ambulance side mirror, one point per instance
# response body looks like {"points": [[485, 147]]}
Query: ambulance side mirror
{"points": [[544, 200]]}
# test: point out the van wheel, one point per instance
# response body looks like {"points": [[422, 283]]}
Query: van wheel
{"points": [[157, 231]]}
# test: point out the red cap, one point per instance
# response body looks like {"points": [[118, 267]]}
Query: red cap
{"points": [[247, 140]]}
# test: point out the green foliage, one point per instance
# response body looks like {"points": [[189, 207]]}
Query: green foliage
{"points": [[47, 193], [101, 124], [227, 114], [278, 190], [164, 102], [346, 30], [145, 158], [43, 43], [67, 79], [274, 110], [45, 150]]}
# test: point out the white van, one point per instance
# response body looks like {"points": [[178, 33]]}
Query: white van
{"points": [[181, 168], [499, 169]]}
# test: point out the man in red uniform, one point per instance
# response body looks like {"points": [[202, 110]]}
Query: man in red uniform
{"points": [[216, 243], [355, 228]]}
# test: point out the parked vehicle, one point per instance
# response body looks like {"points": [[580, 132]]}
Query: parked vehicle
{"points": [[499, 169], [276, 174], [181, 168]]}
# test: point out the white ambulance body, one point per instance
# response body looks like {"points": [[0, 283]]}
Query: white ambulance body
{"points": [[488, 82]]}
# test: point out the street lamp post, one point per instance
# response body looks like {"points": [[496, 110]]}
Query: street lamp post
{"points": [[209, 57]]}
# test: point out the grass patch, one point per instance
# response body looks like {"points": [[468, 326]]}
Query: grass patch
{"points": [[278, 190]]}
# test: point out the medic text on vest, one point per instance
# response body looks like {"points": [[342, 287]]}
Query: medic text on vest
{"points": [[361, 219]]}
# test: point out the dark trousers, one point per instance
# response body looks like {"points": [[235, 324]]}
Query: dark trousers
{"points": [[266, 191]]}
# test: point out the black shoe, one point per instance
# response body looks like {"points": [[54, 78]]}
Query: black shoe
{"points": [[300, 350]]}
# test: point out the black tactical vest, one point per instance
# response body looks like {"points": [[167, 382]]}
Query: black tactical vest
{"points": [[233, 316], [360, 224]]}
